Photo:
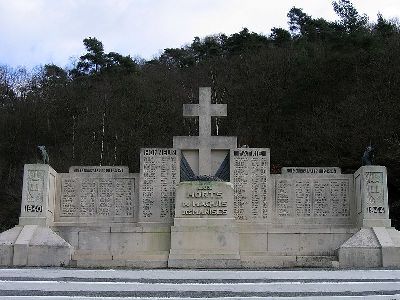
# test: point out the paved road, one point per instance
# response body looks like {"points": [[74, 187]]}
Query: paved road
{"points": [[190, 284]]}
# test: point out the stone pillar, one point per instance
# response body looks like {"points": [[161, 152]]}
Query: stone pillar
{"points": [[33, 242], [205, 234], [372, 197], [376, 244], [38, 195]]}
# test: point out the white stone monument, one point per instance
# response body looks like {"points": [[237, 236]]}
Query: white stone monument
{"points": [[205, 234], [108, 217], [204, 152]]}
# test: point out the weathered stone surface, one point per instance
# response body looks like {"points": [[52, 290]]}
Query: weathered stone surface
{"points": [[204, 239], [106, 194], [204, 199], [361, 250], [38, 195], [159, 174], [201, 160], [7, 241], [250, 176], [33, 245], [371, 196], [307, 199], [389, 239], [365, 238], [122, 245]]}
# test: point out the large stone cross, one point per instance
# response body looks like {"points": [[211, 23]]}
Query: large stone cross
{"points": [[204, 110], [205, 142]]}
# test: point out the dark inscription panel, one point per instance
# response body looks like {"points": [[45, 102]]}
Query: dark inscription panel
{"points": [[159, 177], [250, 174], [92, 195]]}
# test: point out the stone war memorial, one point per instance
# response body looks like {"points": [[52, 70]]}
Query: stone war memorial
{"points": [[204, 203]]}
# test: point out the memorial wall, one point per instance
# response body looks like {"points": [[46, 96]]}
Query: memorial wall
{"points": [[298, 195], [90, 194]]}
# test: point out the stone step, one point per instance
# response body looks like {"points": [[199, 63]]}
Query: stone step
{"points": [[191, 284]]}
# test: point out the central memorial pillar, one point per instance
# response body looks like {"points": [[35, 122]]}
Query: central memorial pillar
{"points": [[205, 234]]}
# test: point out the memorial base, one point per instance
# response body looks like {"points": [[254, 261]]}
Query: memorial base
{"points": [[204, 243], [371, 248], [33, 246], [119, 245]]}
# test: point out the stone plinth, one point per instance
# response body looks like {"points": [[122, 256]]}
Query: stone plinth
{"points": [[371, 196], [205, 234], [34, 246], [371, 248], [38, 195]]}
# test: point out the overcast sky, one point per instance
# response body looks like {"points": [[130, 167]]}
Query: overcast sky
{"points": [[36, 32]]}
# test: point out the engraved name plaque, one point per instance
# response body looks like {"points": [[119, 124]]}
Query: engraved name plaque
{"points": [[249, 175], [299, 196], [159, 175], [103, 195]]}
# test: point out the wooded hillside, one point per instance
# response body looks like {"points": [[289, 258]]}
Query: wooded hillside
{"points": [[316, 94]]}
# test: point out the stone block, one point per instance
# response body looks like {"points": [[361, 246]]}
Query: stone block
{"points": [[222, 262], [253, 241], [204, 240], [325, 244], [33, 245], [69, 233], [267, 261], [45, 256], [362, 250], [389, 238], [309, 199], [371, 196], [129, 244], [91, 255], [204, 199], [360, 258], [46, 248], [95, 241], [22, 244], [283, 243], [146, 262], [7, 241], [100, 263], [314, 261], [97, 196], [38, 195]]}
